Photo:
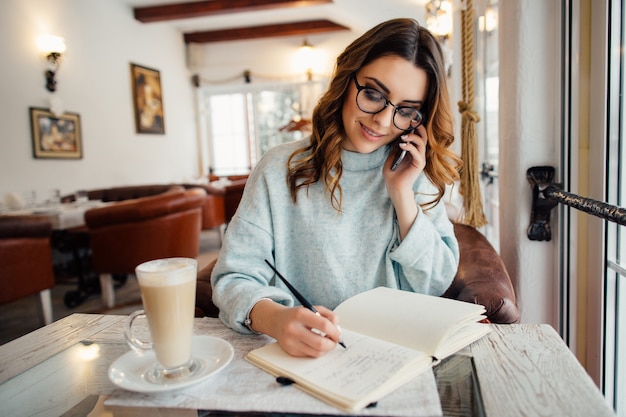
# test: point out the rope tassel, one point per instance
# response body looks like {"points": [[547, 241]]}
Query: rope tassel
{"points": [[473, 213]]}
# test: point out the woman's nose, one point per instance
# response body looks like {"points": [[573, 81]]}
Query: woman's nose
{"points": [[384, 117]]}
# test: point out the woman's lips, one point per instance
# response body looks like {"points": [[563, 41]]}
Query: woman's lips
{"points": [[371, 134]]}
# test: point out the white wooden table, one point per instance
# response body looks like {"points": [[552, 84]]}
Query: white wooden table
{"points": [[523, 370]]}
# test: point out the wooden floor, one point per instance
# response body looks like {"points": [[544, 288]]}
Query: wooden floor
{"points": [[23, 316]]}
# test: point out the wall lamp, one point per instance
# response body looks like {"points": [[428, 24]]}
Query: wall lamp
{"points": [[306, 58], [439, 17], [52, 48]]}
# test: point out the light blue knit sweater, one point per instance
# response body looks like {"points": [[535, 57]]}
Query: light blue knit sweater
{"points": [[328, 256]]}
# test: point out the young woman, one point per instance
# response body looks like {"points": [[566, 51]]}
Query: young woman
{"points": [[331, 214]]}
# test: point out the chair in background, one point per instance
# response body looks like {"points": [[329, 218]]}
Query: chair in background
{"points": [[75, 241], [213, 215], [121, 193], [213, 212], [231, 192], [204, 292], [26, 260], [133, 231]]}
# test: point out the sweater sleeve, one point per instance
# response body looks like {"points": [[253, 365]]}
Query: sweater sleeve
{"points": [[426, 261], [241, 278]]}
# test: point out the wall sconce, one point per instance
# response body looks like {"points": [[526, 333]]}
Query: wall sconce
{"points": [[53, 48], [305, 58], [439, 17]]}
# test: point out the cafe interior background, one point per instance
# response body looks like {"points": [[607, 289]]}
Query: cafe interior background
{"points": [[522, 78]]}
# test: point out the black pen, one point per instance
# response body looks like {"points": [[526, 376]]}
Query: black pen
{"points": [[300, 298]]}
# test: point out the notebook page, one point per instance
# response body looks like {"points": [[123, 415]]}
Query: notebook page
{"points": [[410, 319]]}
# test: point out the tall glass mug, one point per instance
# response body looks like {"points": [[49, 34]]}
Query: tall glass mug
{"points": [[168, 293]]}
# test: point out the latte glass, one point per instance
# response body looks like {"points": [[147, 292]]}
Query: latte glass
{"points": [[168, 294]]}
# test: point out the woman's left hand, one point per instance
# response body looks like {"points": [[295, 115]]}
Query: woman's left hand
{"points": [[411, 166], [400, 182]]}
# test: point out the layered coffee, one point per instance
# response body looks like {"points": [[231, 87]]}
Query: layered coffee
{"points": [[168, 293]]}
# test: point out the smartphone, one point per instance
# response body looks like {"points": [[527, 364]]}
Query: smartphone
{"points": [[398, 159], [402, 153]]}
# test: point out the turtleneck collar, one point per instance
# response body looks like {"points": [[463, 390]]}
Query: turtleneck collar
{"points": [[355, 161]]}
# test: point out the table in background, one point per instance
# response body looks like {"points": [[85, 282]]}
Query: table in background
{"points": [[62, 216], [69, 236], [521, 369]]}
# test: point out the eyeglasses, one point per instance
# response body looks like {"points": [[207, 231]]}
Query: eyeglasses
{"points": [[372, 101]]}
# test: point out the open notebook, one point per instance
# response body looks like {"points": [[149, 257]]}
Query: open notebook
{"points": [[391, 337]]}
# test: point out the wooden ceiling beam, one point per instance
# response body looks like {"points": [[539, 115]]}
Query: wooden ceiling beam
{"points": [[174, 11], [266, 31]]}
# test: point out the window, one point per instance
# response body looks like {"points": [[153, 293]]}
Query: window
{"points": [[487, 90], [615, 253], [606, 250], [243, 122], [229, 123]]}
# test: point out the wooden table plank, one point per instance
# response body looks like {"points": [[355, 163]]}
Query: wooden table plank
{"points": [[23, 353], [523, 370], [527, 370]]}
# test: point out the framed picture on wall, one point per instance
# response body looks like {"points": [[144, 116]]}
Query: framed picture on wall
{"points": [[55, 136], [147, 99]]}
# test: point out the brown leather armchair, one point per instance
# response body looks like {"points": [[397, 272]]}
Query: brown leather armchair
{"points": [[213, 214], [26, 260], [122, 193], [213, 210], [134, 231], [482, 278], [230, 193]]}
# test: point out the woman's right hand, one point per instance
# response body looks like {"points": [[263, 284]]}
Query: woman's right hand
{"points": [[292, 327]]}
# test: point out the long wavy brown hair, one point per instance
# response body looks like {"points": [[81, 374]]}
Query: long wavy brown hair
{"points": [[321, 158]]}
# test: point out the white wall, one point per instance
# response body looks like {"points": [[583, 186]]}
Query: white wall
{"points": [[102, 40], [529, 136]]}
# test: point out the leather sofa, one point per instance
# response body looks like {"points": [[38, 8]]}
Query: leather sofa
{"points": [[121, 193], [213, 214], [482, 278], [231, 194], [26, 260], [130, 232]]}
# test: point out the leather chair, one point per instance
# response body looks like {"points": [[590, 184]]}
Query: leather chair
{"points": [[204, 292], [26, 260], [122, 193], [482, 278], [213, 214], [231, 194], [133, 231], [213, 210]]}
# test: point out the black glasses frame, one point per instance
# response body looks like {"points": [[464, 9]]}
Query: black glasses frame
{"points": [[359, 87]]}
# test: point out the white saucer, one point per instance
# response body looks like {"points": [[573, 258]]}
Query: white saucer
{"points": [[128, 370]]}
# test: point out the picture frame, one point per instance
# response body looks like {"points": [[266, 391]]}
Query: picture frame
{"points": [[147, 99], [55, 136]]}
